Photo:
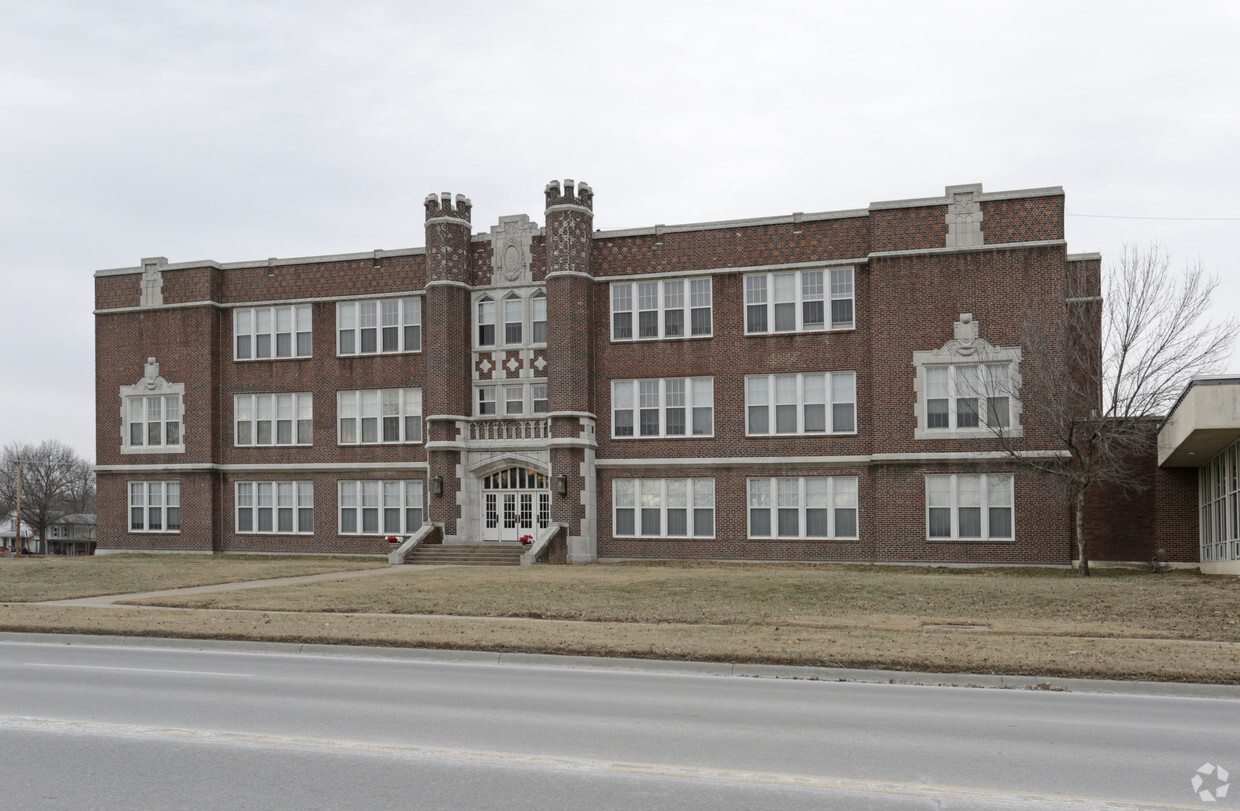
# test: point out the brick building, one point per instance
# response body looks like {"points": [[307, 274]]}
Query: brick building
{"points": [[801, 387]]}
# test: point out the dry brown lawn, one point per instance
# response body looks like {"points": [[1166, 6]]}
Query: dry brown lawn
{"points": [[27, 579], [1118, 624]]}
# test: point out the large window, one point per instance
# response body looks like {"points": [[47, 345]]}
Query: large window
{"points": [[261, 333], [374, 507], [663, 508], [973, 507], [376, 416], [510, 322], [154, 506], [379, 327], [153, 422], [1219, 490], [280, 508], [803, 508], [799, 301], [962, 396], [273, 419], [810, 403], [668, 308], [668, 407], [519, 398]]}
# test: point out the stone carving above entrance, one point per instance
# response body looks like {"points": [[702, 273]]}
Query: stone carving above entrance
{"points": [[510, 249]]}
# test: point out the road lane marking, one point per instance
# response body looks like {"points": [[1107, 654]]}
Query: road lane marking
{"points": [[577, 764], [140, 670]]}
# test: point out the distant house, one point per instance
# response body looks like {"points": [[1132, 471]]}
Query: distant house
{"points": [[8, 536], [72, 535]]}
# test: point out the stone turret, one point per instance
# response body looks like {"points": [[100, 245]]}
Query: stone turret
{"points": [[447, 238], [570, 226]]}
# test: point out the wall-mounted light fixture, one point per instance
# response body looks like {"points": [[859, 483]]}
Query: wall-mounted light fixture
{"points": [[437, 485], [561, 484]]}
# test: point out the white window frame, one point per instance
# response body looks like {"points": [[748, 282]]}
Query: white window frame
{"points": [[301, 428], [505, 322], [760, 293], [406, 320], [697, 488], [967, 349], [361, 496], [837, 489], [300, 332], [167, 427], [497, 394], [350, 405], [986, 390], [537, 300], [165, 493], [954, 506], [695, 389], [696, 297], [831, 382], [252, 498]]}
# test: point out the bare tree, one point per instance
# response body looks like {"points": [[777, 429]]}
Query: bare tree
{"points": [[1099, 379], [53, 477]]}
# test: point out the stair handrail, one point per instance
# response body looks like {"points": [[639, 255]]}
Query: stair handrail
{"points": [[541, 539], [397, 556]]}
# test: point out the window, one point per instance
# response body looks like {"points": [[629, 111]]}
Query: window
{"points": [[671, 407], [281, 508], [154, 506], [375, 507], [670, 308], [374, 327], [538, 392], [663, 508], [519, 399], [974, 507], [803, 508], [486, 321], [514, 401], [967, 396], [262, 333], [538, 318], [377, 416], [486, 401], [814, 403], [1218, 483], [273, 419], [153, 422], [795, 301], [513, 319]]}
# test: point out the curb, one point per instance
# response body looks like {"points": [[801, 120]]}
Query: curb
{"points": [[835, 674]]}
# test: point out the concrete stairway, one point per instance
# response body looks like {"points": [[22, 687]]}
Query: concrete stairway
{"points": [[473, 554]]}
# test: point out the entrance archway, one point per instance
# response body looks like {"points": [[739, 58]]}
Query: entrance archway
{"points": [[516, 501]]}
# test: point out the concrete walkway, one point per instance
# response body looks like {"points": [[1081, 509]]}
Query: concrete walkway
{"points": [[111, 600]]}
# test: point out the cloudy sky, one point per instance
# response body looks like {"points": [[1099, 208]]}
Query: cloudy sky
{"points": [[244, 130]]}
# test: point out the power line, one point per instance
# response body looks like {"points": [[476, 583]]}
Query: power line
{"points": [[1178, 219]]}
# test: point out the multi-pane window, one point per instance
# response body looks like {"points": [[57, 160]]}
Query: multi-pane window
{"points": [[379, 416], [810, 507], [512, 400], [373, 507], [669, 308], [486, 321], [974, 506], [1219, 496], [513, 319], [275, 507], [153, 421], [668, 407], [664, 508], [273, 419], [810, 403], [154, 506], [968, 396], [383, 326], [272, 332], [796, 301], [538, 318]]}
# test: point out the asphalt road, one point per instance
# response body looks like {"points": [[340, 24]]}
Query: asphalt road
{"points": [[87, 726]]}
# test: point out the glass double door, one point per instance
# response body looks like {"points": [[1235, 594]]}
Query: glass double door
{"points": [[514, 505]]}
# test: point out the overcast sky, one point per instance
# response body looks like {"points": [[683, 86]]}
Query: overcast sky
{"points": [[245, 130]]}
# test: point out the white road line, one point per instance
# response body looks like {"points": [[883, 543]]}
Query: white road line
{"points": [[140, 670], [576, 764]]}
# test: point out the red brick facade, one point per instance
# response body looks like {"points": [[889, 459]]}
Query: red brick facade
{"points": [[917, 266]]}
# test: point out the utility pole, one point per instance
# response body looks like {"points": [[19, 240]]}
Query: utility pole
{"points": [[17, 530]]}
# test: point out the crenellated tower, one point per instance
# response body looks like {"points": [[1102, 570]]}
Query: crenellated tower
{"points": [[447, 350], [570, 352]]}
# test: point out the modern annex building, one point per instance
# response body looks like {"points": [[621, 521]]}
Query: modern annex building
{"points": [[821, 386]]}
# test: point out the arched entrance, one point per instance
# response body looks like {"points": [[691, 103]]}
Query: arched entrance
{"points": [[516, 501]]}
